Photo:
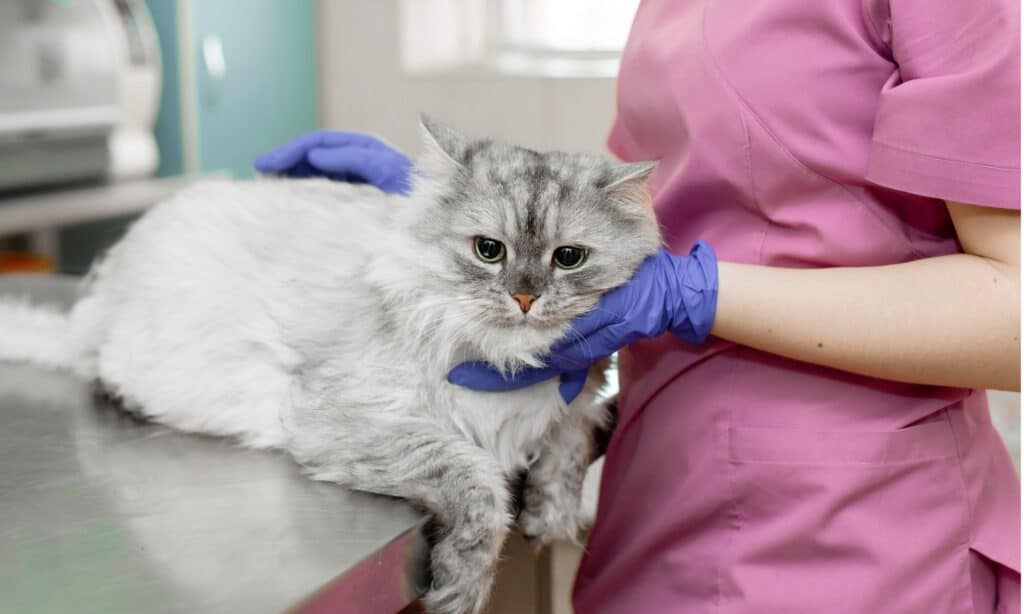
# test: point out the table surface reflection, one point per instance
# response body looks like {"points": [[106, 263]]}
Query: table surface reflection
{"points": [[100, 512]]}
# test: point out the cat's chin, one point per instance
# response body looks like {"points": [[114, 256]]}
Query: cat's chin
{"points": [[512, 347]]}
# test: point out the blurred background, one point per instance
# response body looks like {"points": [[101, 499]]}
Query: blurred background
{"points": [[107, 106]]}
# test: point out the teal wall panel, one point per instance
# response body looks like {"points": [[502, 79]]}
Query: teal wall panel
{"points": [[269, 90]]}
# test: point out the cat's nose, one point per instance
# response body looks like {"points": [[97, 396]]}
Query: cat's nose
{"points": [[524, 300]]}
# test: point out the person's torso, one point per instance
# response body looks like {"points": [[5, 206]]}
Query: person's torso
{"points": [[761, 116]]}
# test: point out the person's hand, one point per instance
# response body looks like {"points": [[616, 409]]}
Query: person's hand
{"points": [[670, 293], [341, 156]]}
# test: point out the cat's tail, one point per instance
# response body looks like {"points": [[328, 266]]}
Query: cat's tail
{"points": [[35, 334]]}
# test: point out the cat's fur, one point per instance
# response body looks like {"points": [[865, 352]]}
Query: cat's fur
{"points": [[322, 318]]}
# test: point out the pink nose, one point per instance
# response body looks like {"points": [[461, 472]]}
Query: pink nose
{"points": [[524, 300]]}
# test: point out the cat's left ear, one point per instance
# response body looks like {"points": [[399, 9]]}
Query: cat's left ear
{"points": [[628, 182]]}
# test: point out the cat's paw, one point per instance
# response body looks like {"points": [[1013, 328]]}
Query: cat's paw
{"points": [[460, 580], [464, 559], [551, 514], [453, 599]]}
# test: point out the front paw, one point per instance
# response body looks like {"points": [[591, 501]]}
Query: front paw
{"points": [[461, 579], [549, 514]]}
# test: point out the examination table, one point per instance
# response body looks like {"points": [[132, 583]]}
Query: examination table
{"points": [[100, 512]]}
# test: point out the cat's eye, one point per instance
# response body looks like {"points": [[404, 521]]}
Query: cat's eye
{"points": [[489, 250], [569, 256]]}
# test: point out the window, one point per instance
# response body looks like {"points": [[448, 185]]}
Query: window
{"points": [[554, 38]]}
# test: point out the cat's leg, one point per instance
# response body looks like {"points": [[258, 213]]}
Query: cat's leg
{"points": [[458, 483], [553, 485]]}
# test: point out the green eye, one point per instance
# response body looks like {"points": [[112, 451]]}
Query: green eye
{"points": [[489, 250], [569, 257]]}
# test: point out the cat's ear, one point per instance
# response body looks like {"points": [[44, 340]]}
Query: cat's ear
{"points": [[628, 182], [442, 148]]}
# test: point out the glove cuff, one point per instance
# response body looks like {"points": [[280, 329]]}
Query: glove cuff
{"points": [[698, 294]]}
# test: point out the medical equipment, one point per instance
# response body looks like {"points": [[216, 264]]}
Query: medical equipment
{"points": [[79, 91]]}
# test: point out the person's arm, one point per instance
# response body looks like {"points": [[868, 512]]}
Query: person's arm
{"points": [[950, 320]]}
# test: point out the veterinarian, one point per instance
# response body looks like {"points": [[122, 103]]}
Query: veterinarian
{"points": [[854, 166]]}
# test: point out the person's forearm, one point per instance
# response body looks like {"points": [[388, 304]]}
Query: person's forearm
{"points": [[950, 320]]}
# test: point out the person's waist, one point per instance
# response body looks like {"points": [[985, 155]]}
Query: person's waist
{"points": [[762, 389]]}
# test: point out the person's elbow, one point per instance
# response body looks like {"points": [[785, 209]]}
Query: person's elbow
{"points": [[993, 237]]}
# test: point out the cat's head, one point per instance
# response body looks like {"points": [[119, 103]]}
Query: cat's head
{"points": [[527, 241]]}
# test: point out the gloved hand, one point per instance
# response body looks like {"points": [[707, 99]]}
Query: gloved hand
{"points": [[667, 293], [342, 156]]}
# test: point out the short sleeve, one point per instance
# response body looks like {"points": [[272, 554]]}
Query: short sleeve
{"points": [[948, 121]]}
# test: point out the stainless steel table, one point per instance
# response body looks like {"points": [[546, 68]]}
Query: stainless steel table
{"points": [[103, 513]]}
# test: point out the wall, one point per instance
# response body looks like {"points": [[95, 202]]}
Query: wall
{"points": [[1005, 408], [364, 88]]}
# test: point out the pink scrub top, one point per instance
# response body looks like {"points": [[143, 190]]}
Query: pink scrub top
{"points": [[799, 133]]}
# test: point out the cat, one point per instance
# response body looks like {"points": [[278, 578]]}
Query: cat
{"points": [[322, 318]]}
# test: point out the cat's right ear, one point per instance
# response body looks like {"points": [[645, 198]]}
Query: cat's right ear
{"points": [[442, 148]]}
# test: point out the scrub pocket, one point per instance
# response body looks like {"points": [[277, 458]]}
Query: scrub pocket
{"points": [[847, 521]]}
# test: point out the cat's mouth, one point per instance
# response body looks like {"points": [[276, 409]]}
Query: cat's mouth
{"points": [[542, 317], [530, 320]]}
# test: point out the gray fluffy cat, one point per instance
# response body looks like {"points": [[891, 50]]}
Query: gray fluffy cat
{"points": [[322, 318]]}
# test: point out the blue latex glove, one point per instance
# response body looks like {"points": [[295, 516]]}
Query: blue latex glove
{"points": [[342, 156], [669, 293]]}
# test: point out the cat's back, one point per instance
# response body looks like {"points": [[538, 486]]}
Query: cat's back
{"points": [[262, 213], [227, 254], [201, 298], [219, 234]]}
